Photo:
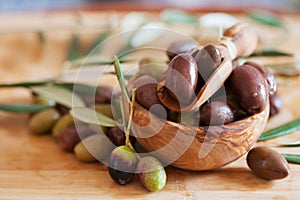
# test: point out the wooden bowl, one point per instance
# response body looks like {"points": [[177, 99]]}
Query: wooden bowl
{"points": [[196, 148]]}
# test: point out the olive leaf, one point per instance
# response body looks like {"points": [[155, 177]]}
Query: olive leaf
{"points": [[59, 94], [24, 108], [290, 144], [74, 49], [120, 77], [96, 61], [90, 116], [270, 52], [103, 36], [266, 18], [78, 88], [24, 84], [178, 16], [281, 130], [292, 158]]}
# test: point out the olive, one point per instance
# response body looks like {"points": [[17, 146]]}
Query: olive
{"points": [[103, 95], [267, 163], [105, 109], [180, 46], [43, 121], [267, 74], [249, 88], [215, 113], [122, 164], [92, 148], [146, 95], [207, 59], [275, 104], [117, 136], [62, 123], [151, 173], [181, 78], [68, 139]]}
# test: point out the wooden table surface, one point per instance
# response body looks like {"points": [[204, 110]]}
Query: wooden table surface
{"points": [[34, 167]]}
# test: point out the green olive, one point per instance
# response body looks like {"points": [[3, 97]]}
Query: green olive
{"points": [[42, 122], [43, 100], [63, 123], [92, 148], [104, 109]]}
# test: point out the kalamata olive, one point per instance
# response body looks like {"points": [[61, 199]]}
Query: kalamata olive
{"points": [[267, 163], [249, 88], [267, 74], [122, 164], [68, 139], [207, 59], [180, 46], [103, 94], [275, 104], [146, 95], [117, 136], [181, 78], [215, 113]]}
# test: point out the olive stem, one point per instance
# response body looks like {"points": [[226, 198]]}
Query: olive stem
{"points": [[127, 129], [130, 116]]}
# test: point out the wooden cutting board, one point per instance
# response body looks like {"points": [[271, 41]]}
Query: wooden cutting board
{"points": [[34, 167]]}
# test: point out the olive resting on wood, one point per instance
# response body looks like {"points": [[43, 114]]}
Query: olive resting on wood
{"points": [[249, 88]]}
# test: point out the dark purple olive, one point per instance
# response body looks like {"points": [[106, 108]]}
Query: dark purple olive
{"points": [[180, 46], [267, 74], [215, 113], [122, 164], [181, 78], [146, 95], [207, 59], [267, 163], [275, 104], [117, 136], [68, 139], [249, 88], [102, 95]]}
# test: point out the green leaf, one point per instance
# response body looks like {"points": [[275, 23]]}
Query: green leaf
{"points": [[90, 116], [93, 61], [290, 144], [59, 94], [178, 16], [103, 36], [270, 52], [24, 84], [281, 130], [78, 88], [120, 77], [74, 49], [292, 158], [23, 108], [266, 18]]}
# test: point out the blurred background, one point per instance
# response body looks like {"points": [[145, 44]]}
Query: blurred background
{"points": [[46, 5], [41, 38]]}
